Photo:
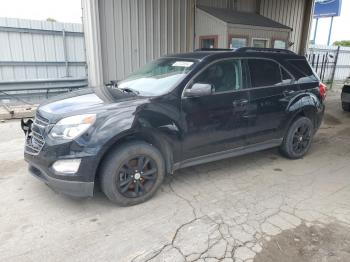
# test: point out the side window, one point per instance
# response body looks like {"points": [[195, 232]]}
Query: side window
{"points": [[286, 77], [264, 72], [301, 70], [223, 76]]}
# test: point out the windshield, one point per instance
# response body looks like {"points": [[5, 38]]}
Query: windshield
{"points": [[158, 77]]}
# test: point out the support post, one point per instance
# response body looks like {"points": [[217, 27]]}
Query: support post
{"points": [[65, 52], [194, 23], [330, 31], [316, 25], [335, 66], [91, 23]]}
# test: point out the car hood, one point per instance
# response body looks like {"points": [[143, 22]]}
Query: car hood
{"points": [[85, 102]]}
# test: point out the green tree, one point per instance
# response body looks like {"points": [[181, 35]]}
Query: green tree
{"points": [[51, 19], [342, 43]]}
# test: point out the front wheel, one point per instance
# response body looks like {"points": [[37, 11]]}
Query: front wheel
{"points": [[132, 173], [298, 139]]}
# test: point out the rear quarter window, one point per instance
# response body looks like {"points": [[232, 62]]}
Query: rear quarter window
{"points": [[301, 70]]}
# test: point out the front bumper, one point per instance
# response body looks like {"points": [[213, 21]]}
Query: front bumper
{"points": [[80, 184], [66, 187]]}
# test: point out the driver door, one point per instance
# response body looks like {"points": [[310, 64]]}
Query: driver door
{"points": [[216, 122]]}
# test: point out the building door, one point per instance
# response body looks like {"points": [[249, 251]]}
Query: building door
{"points": [[210, 41]]}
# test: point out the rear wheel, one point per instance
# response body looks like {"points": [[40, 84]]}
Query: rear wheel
{"points": [[132, 173], [346, 106], [298, 139]]}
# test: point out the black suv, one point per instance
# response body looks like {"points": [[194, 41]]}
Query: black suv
{"points": [[178, 111], [345, 95]]}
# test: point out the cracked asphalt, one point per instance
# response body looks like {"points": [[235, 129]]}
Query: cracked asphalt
{"points": [[258, 207]]}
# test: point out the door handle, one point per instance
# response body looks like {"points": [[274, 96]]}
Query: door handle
{"points": [[288, 92], [240, 102]]}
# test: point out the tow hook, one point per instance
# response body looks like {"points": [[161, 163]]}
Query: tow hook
{"points": [[26, 125]]}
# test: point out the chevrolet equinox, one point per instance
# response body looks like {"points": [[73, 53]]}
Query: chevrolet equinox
{"points": [[178, 111]]}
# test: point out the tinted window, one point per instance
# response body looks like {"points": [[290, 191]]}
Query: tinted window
{"points": [[301, 70], [223, 76], [264, 72], [286, 77]]}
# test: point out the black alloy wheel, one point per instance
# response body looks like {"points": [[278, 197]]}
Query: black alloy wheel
{"points": [[297, 141], [132, 172], [301, 139], [137, 176]]}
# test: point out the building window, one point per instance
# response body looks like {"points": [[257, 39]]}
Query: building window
{"points": [[237, 42], [260, 43], [208, 41], [280, 44]]}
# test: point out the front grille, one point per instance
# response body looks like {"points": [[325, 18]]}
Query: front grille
{"points": [[35, 140], [40, 121]]}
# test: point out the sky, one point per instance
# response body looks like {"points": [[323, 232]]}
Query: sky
{"points": [[341, 26], [68, 11]]}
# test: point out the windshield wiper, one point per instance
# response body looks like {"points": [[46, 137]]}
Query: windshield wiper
{"points": [[129, 90], [114, 85]]}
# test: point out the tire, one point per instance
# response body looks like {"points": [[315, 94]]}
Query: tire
{"points": [[297, 141], [346, 106], [120, 180]]}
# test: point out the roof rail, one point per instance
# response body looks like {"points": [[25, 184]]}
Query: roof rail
{"points": [[270, 50], [213, 49]]}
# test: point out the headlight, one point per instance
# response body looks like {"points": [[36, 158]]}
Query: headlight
{"points": [[72, 127]]}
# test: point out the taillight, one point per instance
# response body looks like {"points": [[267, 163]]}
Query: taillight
{"points": [[323, 90]]}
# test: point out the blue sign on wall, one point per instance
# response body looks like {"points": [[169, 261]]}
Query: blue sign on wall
{"points": [[327, 8]]}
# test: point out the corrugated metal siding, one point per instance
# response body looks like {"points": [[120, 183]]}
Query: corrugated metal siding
{"points": [[290, 13], [30, 49], [246, 5], [239, 5], [137, 31]]}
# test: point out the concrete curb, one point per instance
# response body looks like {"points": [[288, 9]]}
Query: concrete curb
{"points": [[17, 112]]}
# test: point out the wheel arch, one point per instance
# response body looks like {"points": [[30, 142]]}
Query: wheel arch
{"points": [[306, 105], [155, 139]]}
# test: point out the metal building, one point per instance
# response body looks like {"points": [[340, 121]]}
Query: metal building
{"points": [[32, 49], [122, 35], [225, 28], [40, 58]]}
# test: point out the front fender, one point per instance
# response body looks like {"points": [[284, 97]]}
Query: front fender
{"points": [[155, 124]]}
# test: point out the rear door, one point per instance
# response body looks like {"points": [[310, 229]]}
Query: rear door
{"points": [[271, 86]]}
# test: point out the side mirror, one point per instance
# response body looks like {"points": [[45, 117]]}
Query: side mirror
{"points": [[199, 89]]}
